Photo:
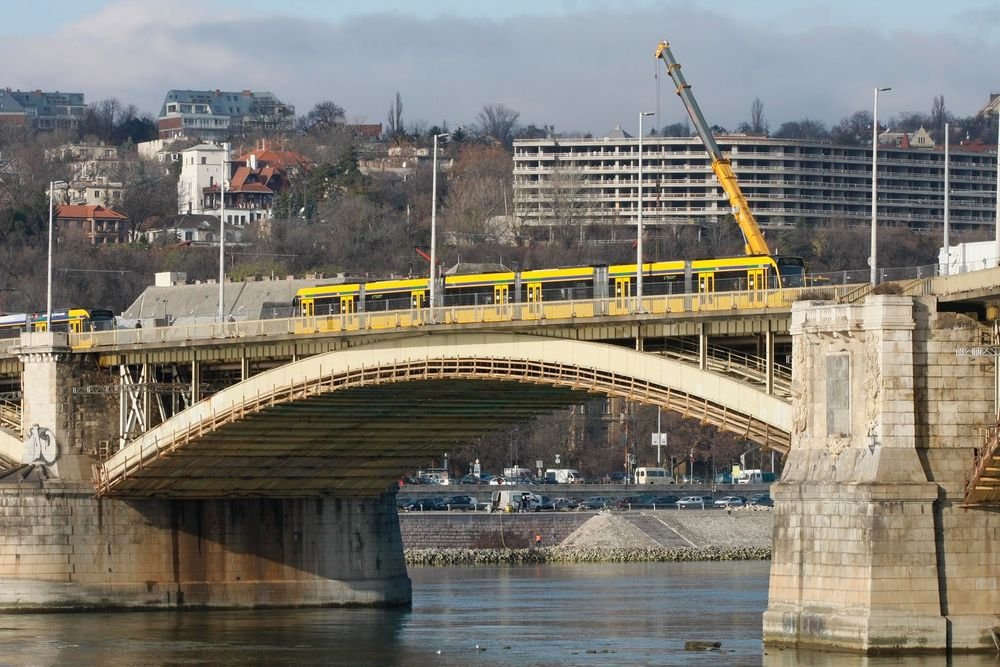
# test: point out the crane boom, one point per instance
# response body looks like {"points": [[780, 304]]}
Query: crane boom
{"points": [[721, 166]]}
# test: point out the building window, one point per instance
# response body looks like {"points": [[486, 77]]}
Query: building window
{"points": [[204, 160]]}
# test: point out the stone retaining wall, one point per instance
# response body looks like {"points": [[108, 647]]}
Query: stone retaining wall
{"points": [[482, 530]]}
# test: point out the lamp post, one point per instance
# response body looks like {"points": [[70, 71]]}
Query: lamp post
{"points": [[434, 190], [638, 226], [48, 289], [947, 201], [873, 258], [222, 235]]}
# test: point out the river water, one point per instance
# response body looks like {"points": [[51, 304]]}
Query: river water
{"points": [[607, 614]]}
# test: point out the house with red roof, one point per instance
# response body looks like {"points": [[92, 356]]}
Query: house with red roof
{"points": [[93, 222], [253, 179]]}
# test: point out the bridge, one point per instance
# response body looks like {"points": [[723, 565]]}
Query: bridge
{"points": [[247, 464]]}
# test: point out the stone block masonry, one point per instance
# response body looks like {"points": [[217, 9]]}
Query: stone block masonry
{"points": [[482, 530], [63, 549], [873, 549]]}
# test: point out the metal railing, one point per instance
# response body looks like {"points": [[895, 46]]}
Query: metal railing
{"points": [[10, 415]]}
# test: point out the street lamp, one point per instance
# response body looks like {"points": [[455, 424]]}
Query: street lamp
{"points": [[873, 258], [222, 234], [638, 227], [48, 300], [434, 190]]}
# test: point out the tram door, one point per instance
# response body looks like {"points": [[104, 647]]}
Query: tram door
{"points": [[347, 305], [308, 308], [706, 287], [534, 297], [417, 299], [501, 297], [756, 284], [623, 291]]}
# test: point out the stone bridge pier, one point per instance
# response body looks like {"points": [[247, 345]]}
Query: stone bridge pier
{"points": [[874, 550], [61, 547]]}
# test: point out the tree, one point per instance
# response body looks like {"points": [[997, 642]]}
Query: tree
{"points": [[802, 129], [854, 130], [939, 116], [109, 121], [676, 130], [394, 122], [148, 190], [323, 117], [499, 123], [757, 125], [479, 195]]}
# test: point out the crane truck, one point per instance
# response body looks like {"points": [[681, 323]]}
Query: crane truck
{"points": [[753, 238]]}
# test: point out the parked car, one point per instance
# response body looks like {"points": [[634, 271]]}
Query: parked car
{"points": [[546, 504], [761, 499], [594, 503], [461, 503], [730, 501], [564, 504], [664, 501], [691, 502], [424, 505], [472, 479], [628, 502]]}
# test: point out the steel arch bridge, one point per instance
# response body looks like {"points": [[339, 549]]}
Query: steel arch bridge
{"points": [[352, 421]]}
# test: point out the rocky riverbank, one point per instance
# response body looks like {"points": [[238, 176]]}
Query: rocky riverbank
{"points": [[628, 537], [580, 555]]}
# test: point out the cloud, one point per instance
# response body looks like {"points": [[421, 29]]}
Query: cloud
{"points": [[587, 69]]}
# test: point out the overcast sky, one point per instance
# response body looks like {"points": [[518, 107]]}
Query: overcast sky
{"points": [[581, 65]]}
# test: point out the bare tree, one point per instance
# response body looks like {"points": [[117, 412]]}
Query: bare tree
{"points": [[148, 190], [479, 195], [498, 122], [939, 116], [394, 125], [758, 124]]}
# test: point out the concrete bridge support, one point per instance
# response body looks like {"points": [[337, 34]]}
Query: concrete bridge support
{"points": [[873, 550], [61, 548]]}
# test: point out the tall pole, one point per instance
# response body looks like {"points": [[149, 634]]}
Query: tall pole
{"points": [[997, 244], [947, 200], [638, 226], [48, 301], [873, 257], [434, 192], [222, 235]]}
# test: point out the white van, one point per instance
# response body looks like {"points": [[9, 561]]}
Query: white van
{"points": [[653, 477], [514, 501], [563, 475]]}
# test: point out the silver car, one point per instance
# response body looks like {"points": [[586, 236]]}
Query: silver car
{"points": [[691, 502]]}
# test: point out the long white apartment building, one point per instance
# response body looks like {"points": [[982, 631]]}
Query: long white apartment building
{"points": [[595, 181]]}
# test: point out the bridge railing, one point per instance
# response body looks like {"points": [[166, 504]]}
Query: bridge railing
{"points": [[733, 363], [631, 307], [10, 415]]}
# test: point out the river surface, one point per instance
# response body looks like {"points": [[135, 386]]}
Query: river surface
{"points": [[608, 614]]}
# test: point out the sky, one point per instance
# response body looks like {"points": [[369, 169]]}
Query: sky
{"points": [[579, 65]]}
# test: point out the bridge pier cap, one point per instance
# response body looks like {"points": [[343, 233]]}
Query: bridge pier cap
{"points": [[873, 552]]}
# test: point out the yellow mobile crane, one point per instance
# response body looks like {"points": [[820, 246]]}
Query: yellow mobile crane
{"points": [[723, 168]]}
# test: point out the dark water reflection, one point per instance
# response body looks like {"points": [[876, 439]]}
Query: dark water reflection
{"points": [[636, 614]]}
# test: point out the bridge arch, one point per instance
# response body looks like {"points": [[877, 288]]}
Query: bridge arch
{"points": [[351, 421]]}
